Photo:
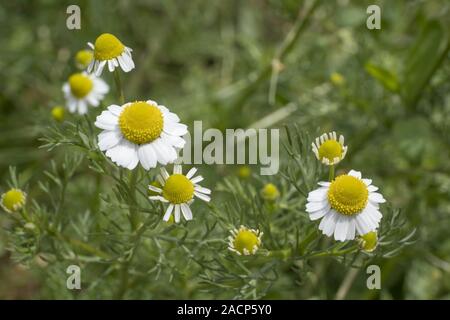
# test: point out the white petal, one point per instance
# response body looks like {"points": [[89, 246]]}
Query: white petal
{"points": [[82, 107], [154, 189], [355, 174], [202, 189], [165, 154], [115, 110], [187, 213], [175, 141], [328, 223], [177, 169], [376, 197], [191, 172], [318, 194], [177, 213], [197, 179], [100, 67], [175, 129], [340, 232], [314, 206], [147, 156], [315, 215], [202, 196], [351, 229], [108, 139], [107, 121], [111, 65], [158, 198], [168, 212], [124, 154]]}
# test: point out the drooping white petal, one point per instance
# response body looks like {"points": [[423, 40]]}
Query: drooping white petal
{"points": [[147, 156], [187, 213], [177, 213], [340, 232], [168, 212], [202, 189], [202, 196]]}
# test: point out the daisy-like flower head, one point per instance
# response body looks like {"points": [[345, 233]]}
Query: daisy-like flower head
{"points": [[328, 149], [58, 113], [369, 241], [13, 200], [179, 191], [140, 131], [82, 90], [270, 192], [348, 205], [83, 58], [108, 50], [244, 241]]}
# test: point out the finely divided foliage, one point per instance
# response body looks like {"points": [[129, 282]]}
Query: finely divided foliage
{"points": [[114, 199]]}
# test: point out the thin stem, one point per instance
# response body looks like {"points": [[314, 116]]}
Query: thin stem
{"points": [[331, 176], [347, 283], [119, 86], [133, 213]]}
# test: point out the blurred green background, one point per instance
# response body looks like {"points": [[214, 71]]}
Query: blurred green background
{"points": [[232, 63]]}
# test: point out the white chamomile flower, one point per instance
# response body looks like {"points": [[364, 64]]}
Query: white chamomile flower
{"points": [[328, 149], [179, 191], [108, 50], [244, 241], [83, 90], [140, 131], [348, 205]]}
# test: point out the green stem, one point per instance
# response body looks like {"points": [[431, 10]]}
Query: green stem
{"points": [[119, 86], [331, 176], [134, 219]]}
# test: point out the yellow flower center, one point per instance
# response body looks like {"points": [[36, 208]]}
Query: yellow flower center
{"points": [[58, 113], [369, 241], [178, 189], [141, 122], [13, 200], [348, 195], [107, 46], [246, 239], [270, 192], [330, 149], [84, 57], [80, 85]]}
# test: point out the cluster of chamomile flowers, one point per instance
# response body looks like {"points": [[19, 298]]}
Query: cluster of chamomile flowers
{"points": [[348, 205], [148, 134], [133, 133]]}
